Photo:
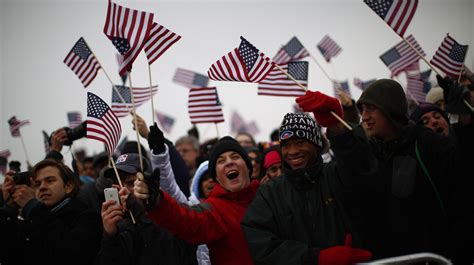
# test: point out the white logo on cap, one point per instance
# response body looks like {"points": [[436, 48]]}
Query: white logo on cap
{"points": [[121, 158]]}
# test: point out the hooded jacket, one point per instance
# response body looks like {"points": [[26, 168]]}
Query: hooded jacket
{"points": [[409, 207]]}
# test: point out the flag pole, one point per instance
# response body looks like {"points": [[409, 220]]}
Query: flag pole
{"points": [[217, 130], [120, 184], [110, 80], [320, 67], [151, 95], [24, 148], [101, 67], [460, 73], [135, 120], [434, 69], [421, 56], [304, 88]]}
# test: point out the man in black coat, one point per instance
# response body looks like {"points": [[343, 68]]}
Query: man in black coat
{"points": [[306, 215]]}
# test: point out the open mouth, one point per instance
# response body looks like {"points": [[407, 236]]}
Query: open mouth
{"points": [[232, 174], [439, 130]]}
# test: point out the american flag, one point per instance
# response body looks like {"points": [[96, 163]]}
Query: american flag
{"points": [[166, 121], [450, 56], [190, 79], [121, 146], [5, 153], [140, 96], [328, 48], [467, 71], [278, 84], [418, 83], [119, 62], [15, 125], [204, 105], [46, 142], [398, 58], [237, 123], [292, 51], [415, 89], [128, 30], [297, 109], [244, 64], [159, 41], [396, 13], [252, 128], [341, 87], [82, 62], [74, 118], [102, 124], [362, 84]]}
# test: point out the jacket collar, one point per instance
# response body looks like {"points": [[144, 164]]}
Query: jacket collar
{"points": [[304, 178], [244, 196]]}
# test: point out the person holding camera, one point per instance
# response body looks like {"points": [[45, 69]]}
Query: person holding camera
{"points": [[42, 222], [137, 241], [64, 136]]}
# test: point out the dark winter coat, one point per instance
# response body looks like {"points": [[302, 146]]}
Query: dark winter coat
{"points": [[302, 211], [70, 235]]}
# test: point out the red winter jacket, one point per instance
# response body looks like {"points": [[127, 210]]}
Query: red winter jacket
{"points": [[215, 222]]}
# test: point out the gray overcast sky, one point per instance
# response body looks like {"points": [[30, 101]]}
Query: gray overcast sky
{"points": [[35, 36]]}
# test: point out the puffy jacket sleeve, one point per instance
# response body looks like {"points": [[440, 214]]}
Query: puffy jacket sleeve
{"points": [[199, 224], [266, 247], [167, 179]]}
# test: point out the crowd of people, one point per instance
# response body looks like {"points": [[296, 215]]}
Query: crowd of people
{"points": [[392, 181]]}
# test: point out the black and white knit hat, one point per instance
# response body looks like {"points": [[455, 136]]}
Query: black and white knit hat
{"points": [[302, 126]]}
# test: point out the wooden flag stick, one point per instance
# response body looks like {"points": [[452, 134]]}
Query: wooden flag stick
{"points": [[304, 88], [320, 67], [110, 80], [120, 184], [24, 148], [434, 69], [460, 73], [421, 56], [101, 67], [151, 96], [217, 130], [135, 121]]}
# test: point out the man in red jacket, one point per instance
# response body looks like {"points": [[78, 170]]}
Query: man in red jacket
{"points": [[215, 221]]}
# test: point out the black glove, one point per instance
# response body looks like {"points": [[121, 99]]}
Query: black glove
{"points": [[156, 140], [454, 94], [153, 183]]}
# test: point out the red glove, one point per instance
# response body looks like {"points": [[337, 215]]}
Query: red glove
{"points": [[321, 105], [342, 255]]}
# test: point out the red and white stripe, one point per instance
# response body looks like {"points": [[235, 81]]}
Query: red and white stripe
{"points": [[278, 84], [203, 106], [159, 41], [130, 24]]}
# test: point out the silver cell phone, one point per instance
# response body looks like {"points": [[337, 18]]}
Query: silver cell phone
{"points": [[111, 194]]}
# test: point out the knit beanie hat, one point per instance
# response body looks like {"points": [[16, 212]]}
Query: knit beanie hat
{"points": [[226, 144], [271, 158], [388, 96], [300, 125], [434, 95], [424, 108]]}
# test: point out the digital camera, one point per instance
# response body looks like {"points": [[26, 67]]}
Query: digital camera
{"points": [[22, 178]]}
